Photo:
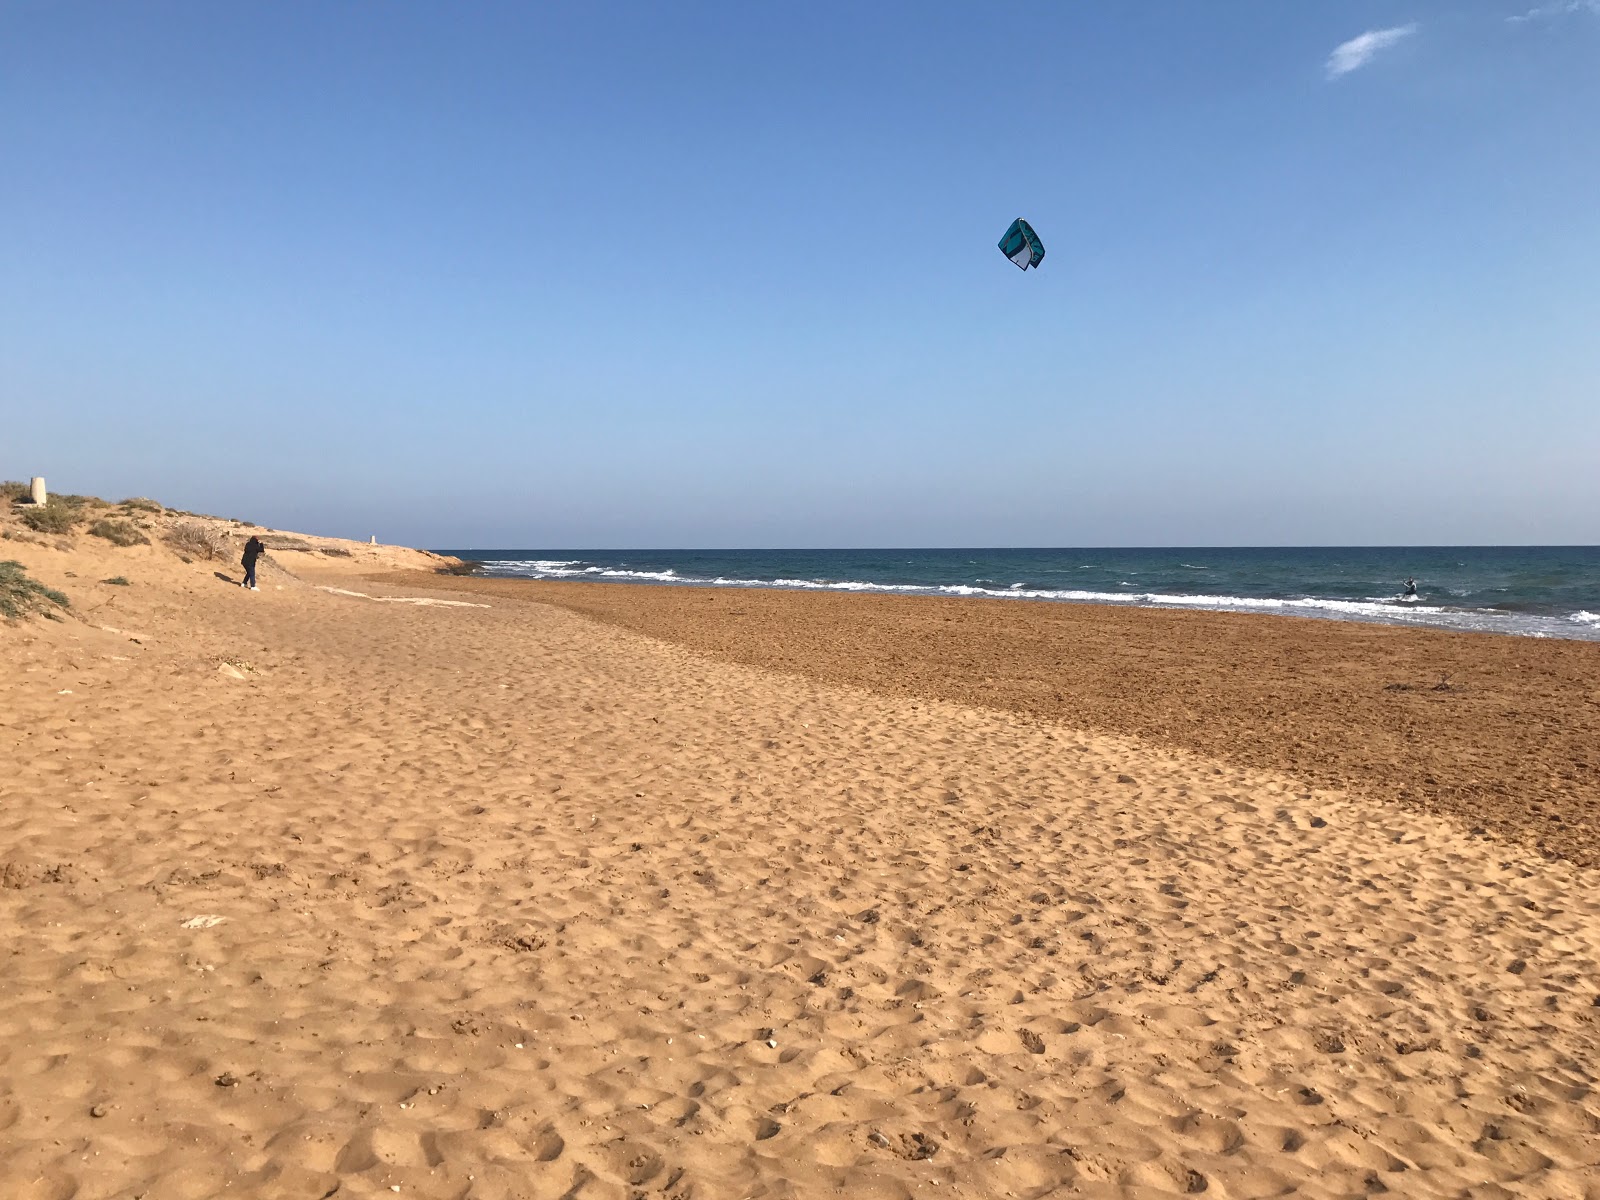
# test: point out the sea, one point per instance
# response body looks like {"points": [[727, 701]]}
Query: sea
{"points": [[1530, 591]]}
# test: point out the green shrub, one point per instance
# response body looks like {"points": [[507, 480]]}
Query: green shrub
{"points": [[141, 504], [54, 516], [20, 595], [13, 490], [116, 581], [118, 533]]}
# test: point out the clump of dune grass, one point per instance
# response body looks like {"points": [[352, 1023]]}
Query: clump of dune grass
{"points": [[12, 490], [117, 581], [54, 516], [195, 540], [142, 504], [118, 533], [21, 595]]}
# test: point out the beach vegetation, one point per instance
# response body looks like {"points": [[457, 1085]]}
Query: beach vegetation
{"points": [[56, 515], [142, 504], [13, 490], [117, 581], [195, 540], [118, 533], [21, 595], [336, 551], [464, 567]]}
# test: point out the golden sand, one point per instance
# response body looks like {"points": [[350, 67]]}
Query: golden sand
{"points": [[311, 893], [1501, 733]]}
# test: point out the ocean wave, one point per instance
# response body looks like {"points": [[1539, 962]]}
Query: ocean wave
{"points": [[1584, 617], [551, 568]]}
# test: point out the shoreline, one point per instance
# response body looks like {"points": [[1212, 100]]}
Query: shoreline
{"points": [[1270, 607], [1482, 589], [1506, 745]]}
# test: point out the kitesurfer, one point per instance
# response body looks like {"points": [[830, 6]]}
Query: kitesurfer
{"points": [[1411, 588]]}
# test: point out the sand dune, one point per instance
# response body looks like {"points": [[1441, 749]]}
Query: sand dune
{"points": [[502, 902]]}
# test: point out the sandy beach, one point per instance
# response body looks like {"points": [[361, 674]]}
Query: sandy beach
{"points": [[1501, 733], [376, 882]]}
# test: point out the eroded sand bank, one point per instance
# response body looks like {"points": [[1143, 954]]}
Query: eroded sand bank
{"points": [[511, 903]]}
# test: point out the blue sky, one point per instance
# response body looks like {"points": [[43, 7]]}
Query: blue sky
{"points": [[635, 275]]}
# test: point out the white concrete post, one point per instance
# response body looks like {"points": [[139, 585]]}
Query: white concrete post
{"points": [[36, 488]]}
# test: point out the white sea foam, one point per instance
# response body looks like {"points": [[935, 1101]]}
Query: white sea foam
{"points": [[552, 568], [1585, 617], [537, 566]]}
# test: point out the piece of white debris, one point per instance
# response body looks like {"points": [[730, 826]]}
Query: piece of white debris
{"points": [[204, 921], [424, 600]]}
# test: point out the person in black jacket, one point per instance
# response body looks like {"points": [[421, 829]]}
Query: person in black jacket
{"points": [[253, 549]]}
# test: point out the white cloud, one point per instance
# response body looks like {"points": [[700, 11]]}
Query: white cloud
{"points": [[1358, 51], [1560, 8]]}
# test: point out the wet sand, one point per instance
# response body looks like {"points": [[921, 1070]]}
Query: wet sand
{"points": [[314, 893]]}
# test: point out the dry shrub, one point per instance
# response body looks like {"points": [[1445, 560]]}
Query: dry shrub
{"points": [[13, 490], [118, 533], [197, 540], [141, 504], [54, 516], [467, 567]]}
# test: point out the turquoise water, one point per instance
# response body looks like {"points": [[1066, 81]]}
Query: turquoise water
{"points": [[1550, 591]]}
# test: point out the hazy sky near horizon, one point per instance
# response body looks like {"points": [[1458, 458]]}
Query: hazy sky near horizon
{"points": [[629, 275]]}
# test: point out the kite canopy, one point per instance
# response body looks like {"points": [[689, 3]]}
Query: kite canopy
{"points": [[1022, 245]]}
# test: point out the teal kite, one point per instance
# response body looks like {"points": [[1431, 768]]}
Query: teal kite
{"points": [[1022, 245]]}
